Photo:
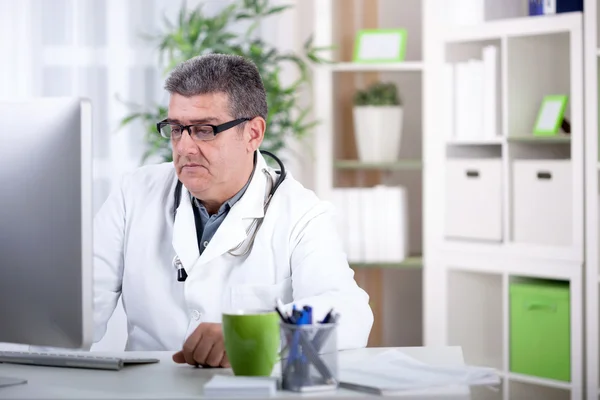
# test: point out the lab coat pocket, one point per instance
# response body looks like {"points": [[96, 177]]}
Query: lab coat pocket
{"points": [[261, 297]]}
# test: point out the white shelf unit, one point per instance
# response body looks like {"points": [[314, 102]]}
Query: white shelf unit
{"points": [[395, 289], [414, 66], [467, 279], [592, 175]]}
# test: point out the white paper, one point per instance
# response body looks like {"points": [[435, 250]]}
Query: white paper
{"points": [[490, 92], [462, 101], [4, 382], [395, 371], [224, 385], [549, 6], [449, 103]]}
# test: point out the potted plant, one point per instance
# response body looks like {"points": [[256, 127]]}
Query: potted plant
{"points": [[195, 33], [378, 118]]}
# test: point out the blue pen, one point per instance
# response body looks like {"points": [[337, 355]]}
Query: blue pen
{"points": [[308, 313], [299, 359], [327, 317]]}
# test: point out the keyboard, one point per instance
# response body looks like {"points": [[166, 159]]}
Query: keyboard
{"points": [[72, 360]]}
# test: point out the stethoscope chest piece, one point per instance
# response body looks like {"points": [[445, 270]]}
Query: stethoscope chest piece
{"points": [[181, 274]]}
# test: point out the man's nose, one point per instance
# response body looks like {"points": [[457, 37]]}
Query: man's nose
{"points": [[186, 145]]}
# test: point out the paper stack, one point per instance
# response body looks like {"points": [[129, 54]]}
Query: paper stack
{"points": [[472, 97], [373, 223], [393, 371], [240, 386]]}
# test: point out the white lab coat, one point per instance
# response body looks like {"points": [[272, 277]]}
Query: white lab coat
{"points": [[297, 256]]}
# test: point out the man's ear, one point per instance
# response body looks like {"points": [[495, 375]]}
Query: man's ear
{"points": [[256, 133]]}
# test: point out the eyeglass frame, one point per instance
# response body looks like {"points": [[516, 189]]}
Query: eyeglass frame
{"points": [[216, 128]]}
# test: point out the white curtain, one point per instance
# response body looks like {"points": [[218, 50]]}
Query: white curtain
{"points": [[94, 49]]}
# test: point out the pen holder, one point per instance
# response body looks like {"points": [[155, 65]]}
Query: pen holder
{"points": [[309, 357]]}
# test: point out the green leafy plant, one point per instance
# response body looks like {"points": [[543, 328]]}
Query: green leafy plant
{"points": [[378, 94], [195, 33]]}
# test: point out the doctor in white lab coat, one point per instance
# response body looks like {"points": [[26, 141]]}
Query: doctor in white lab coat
{"points": [[139, 233]]}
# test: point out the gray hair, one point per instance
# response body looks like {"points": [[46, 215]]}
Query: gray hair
{"points": [[235, 76]]}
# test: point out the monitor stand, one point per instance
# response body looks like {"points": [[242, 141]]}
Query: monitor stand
{"points": [[11, 381]]}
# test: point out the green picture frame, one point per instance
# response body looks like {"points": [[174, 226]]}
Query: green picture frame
{"points": [[380, 45], [550, 116]]}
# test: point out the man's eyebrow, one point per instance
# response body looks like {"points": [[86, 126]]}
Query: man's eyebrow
{"points": [[195, 121], [204, 120]]}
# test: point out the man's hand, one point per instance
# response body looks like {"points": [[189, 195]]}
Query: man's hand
{"points": [[204, 347]]}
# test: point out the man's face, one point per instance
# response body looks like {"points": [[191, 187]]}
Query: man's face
{"points": [[206, 167]]}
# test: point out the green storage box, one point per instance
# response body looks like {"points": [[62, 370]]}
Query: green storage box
{"points": [[540, 339]]}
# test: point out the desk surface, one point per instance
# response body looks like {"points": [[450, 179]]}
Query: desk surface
{"points": [[174, 381]]}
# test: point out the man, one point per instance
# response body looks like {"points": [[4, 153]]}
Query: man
{"points": [[143, 239]]}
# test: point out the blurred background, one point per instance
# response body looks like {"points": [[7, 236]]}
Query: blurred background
{"points": [[457, 139]]}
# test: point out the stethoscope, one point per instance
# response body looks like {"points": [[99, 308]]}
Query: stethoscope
{"points": [[254, 226]]}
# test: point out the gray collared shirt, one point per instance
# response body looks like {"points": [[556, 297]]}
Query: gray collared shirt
{"points": [[210, 223]]}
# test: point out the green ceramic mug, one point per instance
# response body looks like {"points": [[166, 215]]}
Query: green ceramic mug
{"points": [[252, 341]]}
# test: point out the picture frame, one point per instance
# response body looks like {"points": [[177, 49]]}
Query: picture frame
{"points": [[380, 45], [551, 115]]}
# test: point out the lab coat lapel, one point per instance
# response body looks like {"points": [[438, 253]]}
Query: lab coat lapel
{"points": [[184, 241], [232, 230]]}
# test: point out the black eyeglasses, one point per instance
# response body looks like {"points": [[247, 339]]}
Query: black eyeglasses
{"points": [[199, 132]]}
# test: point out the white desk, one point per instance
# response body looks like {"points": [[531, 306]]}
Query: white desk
{"points": [[167, 380]]}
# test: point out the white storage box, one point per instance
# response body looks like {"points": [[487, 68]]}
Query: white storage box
{"points": [[474, 199], [542, 206]]}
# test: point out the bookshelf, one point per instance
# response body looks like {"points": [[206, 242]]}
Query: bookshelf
{"points": [[381, 166], [394, 286], [476, 251], [466, 281], [591, 33]]}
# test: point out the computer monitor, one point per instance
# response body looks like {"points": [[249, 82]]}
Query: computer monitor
{"points": [[46, 222]]}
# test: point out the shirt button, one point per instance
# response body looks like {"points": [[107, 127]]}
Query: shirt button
{"points": [[196, 314], [205, 243]]}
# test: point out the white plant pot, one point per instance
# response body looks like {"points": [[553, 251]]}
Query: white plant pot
{"points": [[378, 132]]}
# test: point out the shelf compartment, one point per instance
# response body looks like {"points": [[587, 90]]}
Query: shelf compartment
{"points": [[516, 27], [521, 390], [540, 329], [534, 380], [384, 14], [415, 261], [475, 142], [487, 393], [561, 138], [538, 66], [474, 152], [391, 166], [475, 301], [472, 91]]}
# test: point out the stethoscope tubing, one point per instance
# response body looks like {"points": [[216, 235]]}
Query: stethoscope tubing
{"points": [[181, 273]]}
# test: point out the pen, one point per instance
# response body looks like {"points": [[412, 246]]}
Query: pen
{"points": [[327, 317], [322, 335], [314, 358], [282, 316], [308, 313]]}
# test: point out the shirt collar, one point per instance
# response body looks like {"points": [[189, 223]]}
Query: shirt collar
{"points": [[225, 207]]}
